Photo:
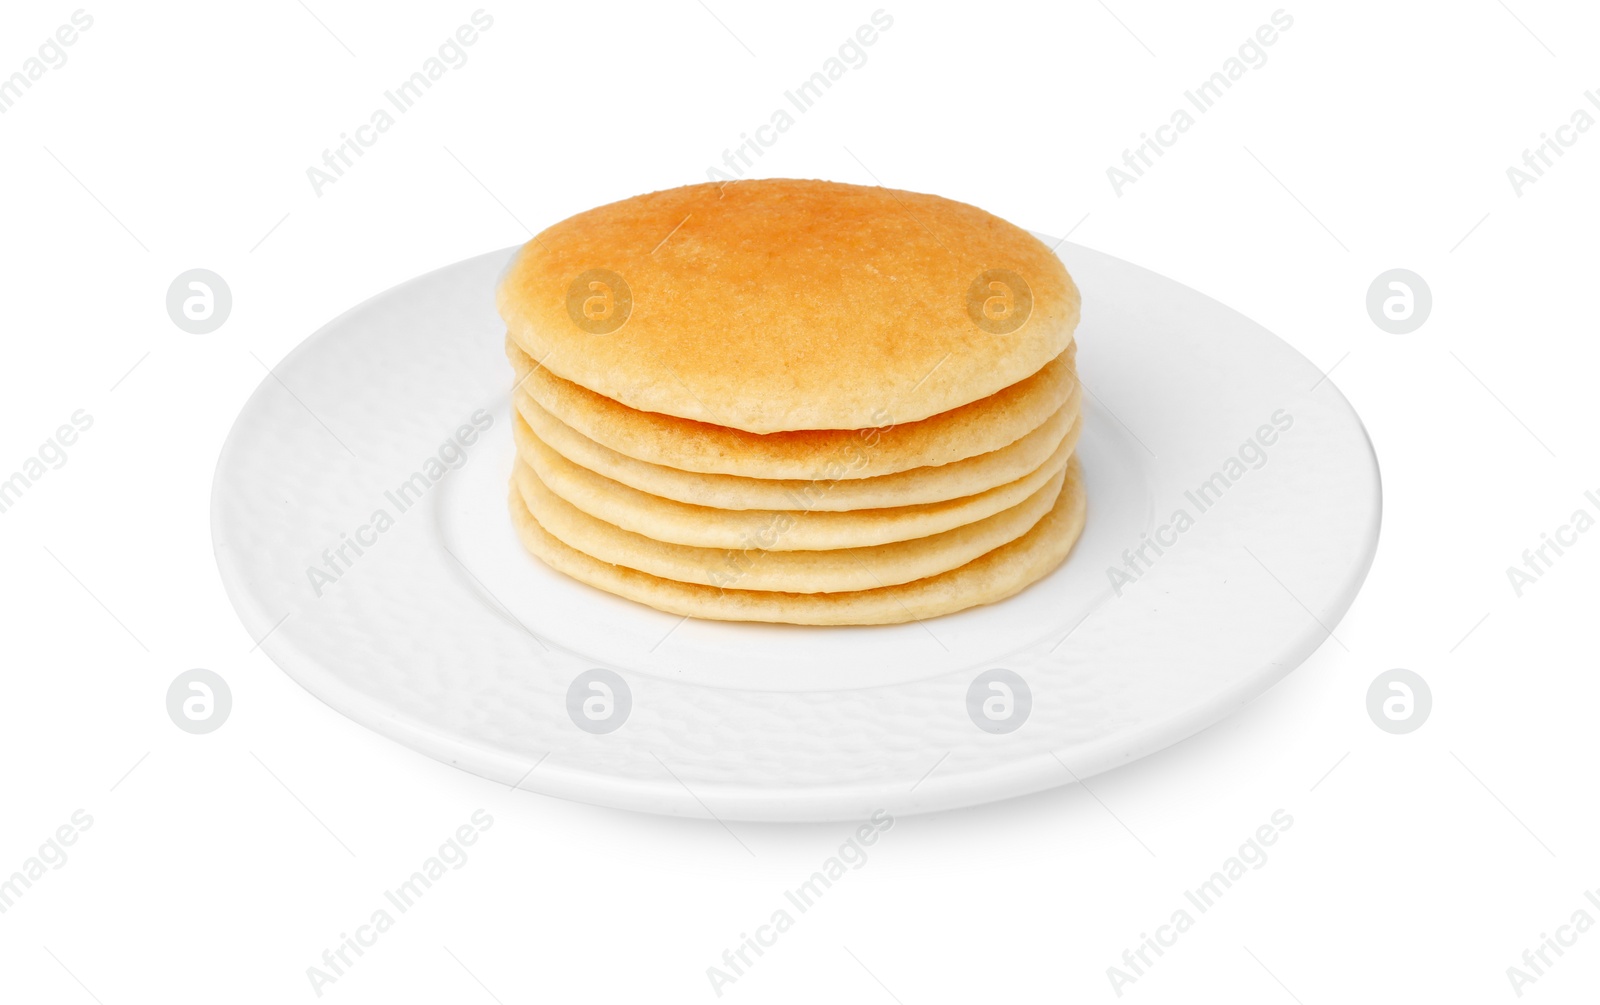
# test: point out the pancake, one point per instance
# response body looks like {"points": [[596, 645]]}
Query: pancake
{"points": [[904, 488], [842, 570], [771, 530], [885, 445], [772, 305], [994, 576]]}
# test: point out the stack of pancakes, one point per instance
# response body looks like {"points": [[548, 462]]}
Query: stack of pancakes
{"points": [[794, 401]]}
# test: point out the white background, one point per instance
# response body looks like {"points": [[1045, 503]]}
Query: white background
{"points": [[1376, 136]]}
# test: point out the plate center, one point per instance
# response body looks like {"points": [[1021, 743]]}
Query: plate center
{"points": [[610, 631]]}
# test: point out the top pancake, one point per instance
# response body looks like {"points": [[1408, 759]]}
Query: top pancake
{"points": [[773, 305]]}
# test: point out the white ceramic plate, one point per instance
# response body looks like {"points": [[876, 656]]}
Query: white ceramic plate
{"points": [[390, 428]]}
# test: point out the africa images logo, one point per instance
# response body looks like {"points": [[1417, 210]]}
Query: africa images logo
{"points": [[1251, 456]]}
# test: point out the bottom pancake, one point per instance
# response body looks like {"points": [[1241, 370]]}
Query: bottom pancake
{"points": [[994, 576]]}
